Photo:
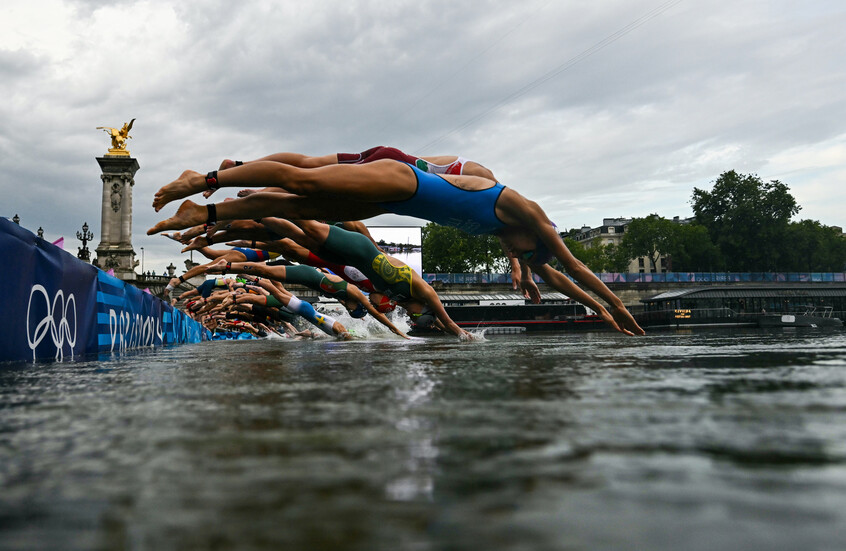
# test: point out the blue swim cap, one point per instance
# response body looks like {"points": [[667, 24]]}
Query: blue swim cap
{"points": [[359, 312]]}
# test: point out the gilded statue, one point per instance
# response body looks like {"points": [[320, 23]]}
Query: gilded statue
{"points": [[119, 137]]}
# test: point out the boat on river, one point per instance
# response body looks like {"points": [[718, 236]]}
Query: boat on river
{"points": [[511, 313], [810, 317], [773, 305]]}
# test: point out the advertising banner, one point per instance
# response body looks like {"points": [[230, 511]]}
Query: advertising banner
{"points": [[55, 306]]}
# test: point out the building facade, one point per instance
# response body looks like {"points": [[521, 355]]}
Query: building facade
{"points": [[611, 232]]}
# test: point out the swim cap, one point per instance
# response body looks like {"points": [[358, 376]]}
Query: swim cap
{"points": [[386, 305], [359, 312], [426, 318], [541, 254]]}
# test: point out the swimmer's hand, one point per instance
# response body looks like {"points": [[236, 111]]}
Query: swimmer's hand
{"points": [[530, 289], [466, 336], [626, 322]]}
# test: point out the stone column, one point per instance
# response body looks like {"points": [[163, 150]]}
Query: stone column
{"points": [[115, 248]]}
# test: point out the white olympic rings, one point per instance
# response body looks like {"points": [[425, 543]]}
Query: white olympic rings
{"points": [[58, 331]]}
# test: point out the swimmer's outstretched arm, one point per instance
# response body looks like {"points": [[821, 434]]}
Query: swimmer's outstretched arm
{"points": [[532, 216], [625, 322], [527, 284], [356, 293], [562, 283]]}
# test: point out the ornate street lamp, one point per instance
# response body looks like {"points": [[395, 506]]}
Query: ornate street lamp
{"points": [[85, 236]]}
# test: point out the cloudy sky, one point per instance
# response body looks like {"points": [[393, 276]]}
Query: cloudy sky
{"points": [[593, 109]]}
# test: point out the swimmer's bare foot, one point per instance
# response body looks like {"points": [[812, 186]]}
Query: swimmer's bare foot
{"points": [[226, 163], [246, 192], [218, 266], [187, 215], [196, 244], [188, 183]]}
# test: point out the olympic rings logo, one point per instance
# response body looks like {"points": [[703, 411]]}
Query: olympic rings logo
{"points": [[58, 331]]}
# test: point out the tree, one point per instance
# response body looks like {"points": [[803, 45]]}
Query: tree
{"points": [[692, 250], [449, 250], [651, 237], [747, 219], [813, 247], [597, 257]]}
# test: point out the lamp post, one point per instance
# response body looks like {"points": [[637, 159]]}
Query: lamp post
{"points": [[85, 236], [142, 260]]}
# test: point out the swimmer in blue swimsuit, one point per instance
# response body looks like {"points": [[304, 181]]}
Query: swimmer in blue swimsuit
{"points": [[361, 191]]}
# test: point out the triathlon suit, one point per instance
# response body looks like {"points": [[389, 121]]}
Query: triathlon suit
{"points": [[256, 255], [349, 274], [440, 201], [381, 152], [346, 247], [209, 285], [456, 167], [276, 314], [306, 310], [314, 279]]}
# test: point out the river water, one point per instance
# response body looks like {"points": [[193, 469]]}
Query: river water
{"points": [[712, 439]]}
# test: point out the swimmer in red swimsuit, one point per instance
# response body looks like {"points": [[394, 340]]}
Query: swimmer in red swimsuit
{"points": [[443, 164]]}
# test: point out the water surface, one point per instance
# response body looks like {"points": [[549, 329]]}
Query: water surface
{"points": [[702, 440]]}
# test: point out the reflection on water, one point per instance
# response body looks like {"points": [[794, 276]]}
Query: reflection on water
{"points": [[697, 440]]}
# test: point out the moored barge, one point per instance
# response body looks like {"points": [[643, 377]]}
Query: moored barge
{"points": [[783, 305]]}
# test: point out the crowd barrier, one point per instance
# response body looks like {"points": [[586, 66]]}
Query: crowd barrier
{"points": [[55, 306], [668, 277]]}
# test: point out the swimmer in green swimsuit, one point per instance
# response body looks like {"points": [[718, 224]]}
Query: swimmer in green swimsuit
{"points": [[360, 191], [388, 275], [329, 285]]}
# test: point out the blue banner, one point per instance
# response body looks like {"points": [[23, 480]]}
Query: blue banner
{"points": [[668, 277], [55, 306]]}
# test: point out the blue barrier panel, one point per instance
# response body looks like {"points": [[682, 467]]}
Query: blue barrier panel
{"points": [[56, 306]]}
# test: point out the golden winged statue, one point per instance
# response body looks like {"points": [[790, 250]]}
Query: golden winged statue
{"points": [[119, 137]]}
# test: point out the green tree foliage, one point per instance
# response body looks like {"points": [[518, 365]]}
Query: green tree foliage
{"points": [[686, 247], [747, 219], [597, 257], [693, 251], [651, 237], [812, 247], [448, 250]]}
